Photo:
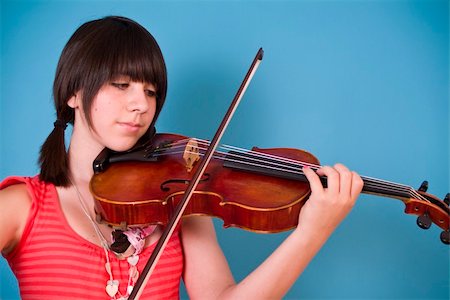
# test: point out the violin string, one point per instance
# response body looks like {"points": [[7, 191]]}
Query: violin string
{"points": [[257, 155], [368, 181], [279, 163], [297, 164]]}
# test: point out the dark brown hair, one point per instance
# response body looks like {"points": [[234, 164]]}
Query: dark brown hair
{"points": [[98, 52]]}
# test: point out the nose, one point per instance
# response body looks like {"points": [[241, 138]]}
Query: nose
{"points": [[137, 99]]}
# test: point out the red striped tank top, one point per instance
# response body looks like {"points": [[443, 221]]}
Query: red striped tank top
{"points": [[53, 262]]}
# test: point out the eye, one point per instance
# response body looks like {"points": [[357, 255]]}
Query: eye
{"points": [[150, 93], [120, 85]]}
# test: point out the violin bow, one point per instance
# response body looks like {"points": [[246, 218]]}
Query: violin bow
{"points": [[180, 208]]}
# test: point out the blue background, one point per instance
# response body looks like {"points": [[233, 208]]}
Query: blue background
{"points": [[365, 83]]}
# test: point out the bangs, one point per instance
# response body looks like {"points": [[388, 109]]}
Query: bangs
{"points": [[103, 50], [130, 51], [131, 56]]}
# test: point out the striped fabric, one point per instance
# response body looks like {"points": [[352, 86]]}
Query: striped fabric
{"points": [[54, 262]]}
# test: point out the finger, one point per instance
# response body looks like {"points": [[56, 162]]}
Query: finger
{"points": [[314, 180], [345, 179], [332, 178], [357, 185]]}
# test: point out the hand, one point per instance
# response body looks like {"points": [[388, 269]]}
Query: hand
{"points": [[327, 207]]}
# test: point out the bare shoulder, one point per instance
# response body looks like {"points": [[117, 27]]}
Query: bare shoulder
{"points": [[16, 195], [15, 205]]}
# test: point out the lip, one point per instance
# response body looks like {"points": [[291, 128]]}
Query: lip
{"points": [[130, 126]]}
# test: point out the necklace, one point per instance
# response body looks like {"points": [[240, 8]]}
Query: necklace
{"points": [[112, 285]]}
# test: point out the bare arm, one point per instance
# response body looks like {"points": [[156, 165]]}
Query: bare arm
{"points": [[206, 273], [14, 208], [208, 276]]}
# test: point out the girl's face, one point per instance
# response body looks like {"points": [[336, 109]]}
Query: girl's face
{"points": [[121, 113]]}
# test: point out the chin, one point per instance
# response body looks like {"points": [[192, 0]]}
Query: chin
{"points": [[121, 147]]}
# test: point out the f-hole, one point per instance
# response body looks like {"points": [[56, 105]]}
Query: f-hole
{"points": [[164, 186]]}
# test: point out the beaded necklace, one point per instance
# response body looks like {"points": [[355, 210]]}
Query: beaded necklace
{"points": [[137, 238]]}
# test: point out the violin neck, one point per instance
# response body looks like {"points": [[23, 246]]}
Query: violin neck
{"points": [[371, 185], [386, 188]]}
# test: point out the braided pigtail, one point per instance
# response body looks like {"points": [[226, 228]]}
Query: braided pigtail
{"points": [[53, 158]]}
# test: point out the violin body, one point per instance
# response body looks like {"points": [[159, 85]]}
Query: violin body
{"points": [[137, 193], [261, 190]]}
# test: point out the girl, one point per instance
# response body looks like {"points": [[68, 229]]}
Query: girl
{"points": [[110, 84]]}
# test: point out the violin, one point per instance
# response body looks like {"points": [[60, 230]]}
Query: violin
{"points": [[261, 190]]}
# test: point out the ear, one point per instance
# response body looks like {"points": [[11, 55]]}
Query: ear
{"points": [[74, 101]]}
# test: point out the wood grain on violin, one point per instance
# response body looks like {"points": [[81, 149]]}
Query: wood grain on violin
{"points": [[260, 190]]}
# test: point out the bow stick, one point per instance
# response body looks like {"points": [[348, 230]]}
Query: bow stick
{"points": [[168, 230]]}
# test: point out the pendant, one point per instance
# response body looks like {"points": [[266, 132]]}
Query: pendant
{"points": [[129, 289], [112, 287], [133, 260]]}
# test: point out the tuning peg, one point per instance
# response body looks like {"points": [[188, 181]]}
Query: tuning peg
{"points": [[445, 237], [447, 199], [424, 221], [424, 186]]}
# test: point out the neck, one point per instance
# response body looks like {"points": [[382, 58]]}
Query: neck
{"points": [[82, 153]]}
